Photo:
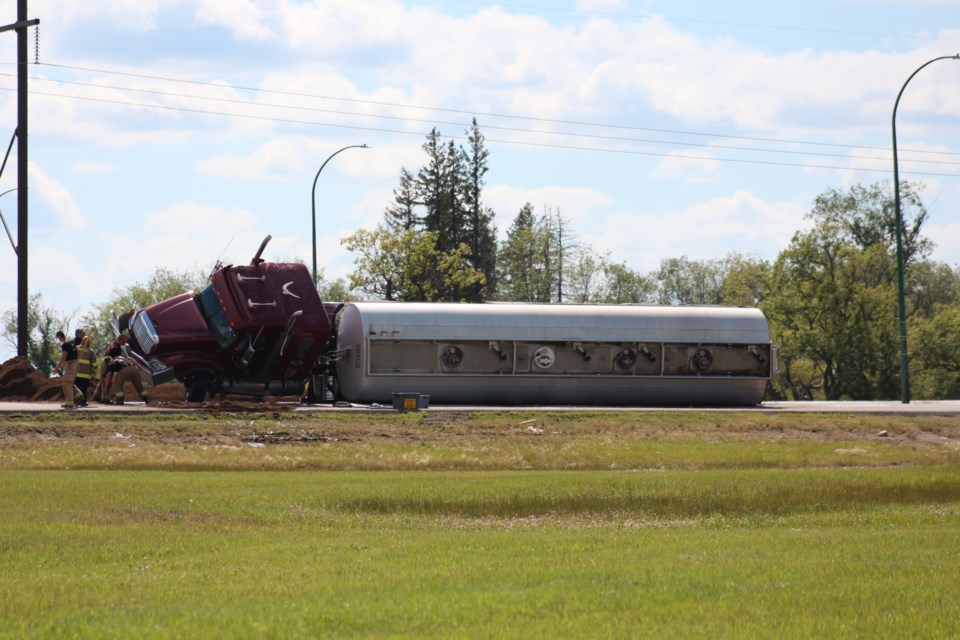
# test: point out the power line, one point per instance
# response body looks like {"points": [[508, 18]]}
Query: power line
{"points": [[492, 114], [510, 142], [486, 126]]}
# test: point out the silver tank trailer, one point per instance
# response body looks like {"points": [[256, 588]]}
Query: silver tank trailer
{"points": [[541, 354]]}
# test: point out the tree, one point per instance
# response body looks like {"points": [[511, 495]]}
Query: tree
{"points": [[867, 217], [935, 353], [623, 285], [560, 251], [445, 198], [833, 292], [402, 213], [585, 278], [439, 184], [480, 231], [746, 281], [685, 281], [333, 290], [521, 273], [830, 308], [929, 285], [43, 322], [408, 265]]}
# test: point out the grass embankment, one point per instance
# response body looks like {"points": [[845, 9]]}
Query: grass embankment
{"points": [[594, 525], [464, 441]]}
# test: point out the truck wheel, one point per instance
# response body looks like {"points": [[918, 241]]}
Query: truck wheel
{"points": [[197, 386]]}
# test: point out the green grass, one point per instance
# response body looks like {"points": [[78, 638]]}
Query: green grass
{"points": [[717, 525], [589, 440]]}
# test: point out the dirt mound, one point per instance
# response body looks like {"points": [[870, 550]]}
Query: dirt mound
{"points": [[21, 382]]}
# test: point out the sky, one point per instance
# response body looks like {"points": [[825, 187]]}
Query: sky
{"points": [[178, 132]]}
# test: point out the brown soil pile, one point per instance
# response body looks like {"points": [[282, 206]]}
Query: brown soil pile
{"points": [[20, 382]]}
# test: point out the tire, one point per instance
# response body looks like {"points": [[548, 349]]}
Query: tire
{"points": [[197, 386]]}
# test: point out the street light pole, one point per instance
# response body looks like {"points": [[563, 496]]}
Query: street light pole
{"points": [[313, 202], [901, 302]]}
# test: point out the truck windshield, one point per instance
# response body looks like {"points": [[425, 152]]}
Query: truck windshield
{"points": [[215, 316]]}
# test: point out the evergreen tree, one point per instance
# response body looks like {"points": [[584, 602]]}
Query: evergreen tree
{"points": [[481, 232], [439, 184], [445, 198], [402, 214], [521, 272]]}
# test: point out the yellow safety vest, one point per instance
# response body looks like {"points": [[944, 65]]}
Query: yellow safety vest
{"points": [[86, 358]]}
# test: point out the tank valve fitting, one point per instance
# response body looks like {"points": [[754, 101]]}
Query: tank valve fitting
{"points": [[583, 352], [650, 356], [626, 359], [452, 356], [495, 347], [702, 360]]}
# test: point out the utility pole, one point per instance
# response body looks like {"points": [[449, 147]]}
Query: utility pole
{"points": [[21, 26]]}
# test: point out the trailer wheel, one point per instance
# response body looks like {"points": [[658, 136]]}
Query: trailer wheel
{"points": [[197, 386]]}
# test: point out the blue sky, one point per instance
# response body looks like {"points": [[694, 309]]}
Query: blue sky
{"points": [[169, 132]]}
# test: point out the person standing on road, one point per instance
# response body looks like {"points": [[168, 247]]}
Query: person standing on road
{"points": [[86, 366], [67, 367]]}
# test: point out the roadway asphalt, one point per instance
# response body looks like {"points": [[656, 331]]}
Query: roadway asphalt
{"points": [[918, 407]]}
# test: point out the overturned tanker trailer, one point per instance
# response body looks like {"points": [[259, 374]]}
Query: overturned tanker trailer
{"points": [[261, 329], [537, 354]]}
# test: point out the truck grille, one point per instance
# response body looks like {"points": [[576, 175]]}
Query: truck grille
{"points": [[145, 333]]}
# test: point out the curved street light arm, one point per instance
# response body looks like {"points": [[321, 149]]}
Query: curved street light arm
{"points": [[901, 301], [313, 202]]}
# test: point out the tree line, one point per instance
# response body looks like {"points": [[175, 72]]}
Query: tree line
{"points": [[830, 296]]}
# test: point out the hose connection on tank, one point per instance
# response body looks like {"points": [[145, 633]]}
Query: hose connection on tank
{"points": [[583, 352], [495, 347]]}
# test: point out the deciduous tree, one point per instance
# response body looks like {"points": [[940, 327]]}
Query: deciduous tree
{"points": [[43, 322]]}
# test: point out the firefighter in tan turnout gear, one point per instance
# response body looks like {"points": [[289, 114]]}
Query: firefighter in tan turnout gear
{"points": [[123, 370], [86, 367], [67, 368]]}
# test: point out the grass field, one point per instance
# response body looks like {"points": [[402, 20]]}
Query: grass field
{"points": [[480, 525]]}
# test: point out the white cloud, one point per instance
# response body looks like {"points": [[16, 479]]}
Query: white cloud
{"points": [[136, 15], [274, 160], [58, 198], [576, 204], [291, 158], [693, 167], [711, 229], [601, 5], [242, 17], [947, 238], [182, 236], [345, 26], [94, 166]]}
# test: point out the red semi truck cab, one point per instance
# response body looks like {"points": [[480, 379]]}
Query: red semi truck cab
{"points": [[255, 329]]}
